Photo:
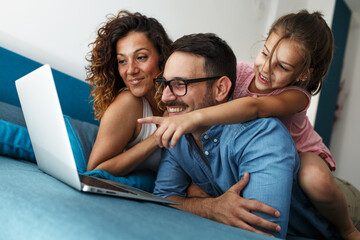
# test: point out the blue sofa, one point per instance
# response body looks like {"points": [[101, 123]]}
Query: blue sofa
{"points": [[34, 205]]}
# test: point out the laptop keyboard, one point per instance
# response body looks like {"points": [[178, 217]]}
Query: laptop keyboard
{"points": [[91, 181]]}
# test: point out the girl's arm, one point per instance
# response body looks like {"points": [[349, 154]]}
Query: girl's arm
{"points": [[235, 111], [118, 127]]}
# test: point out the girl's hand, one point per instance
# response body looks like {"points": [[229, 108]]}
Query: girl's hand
{"points": [[171, 127]]}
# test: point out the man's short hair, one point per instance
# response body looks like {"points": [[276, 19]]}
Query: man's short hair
{"points": [[219, 58]]}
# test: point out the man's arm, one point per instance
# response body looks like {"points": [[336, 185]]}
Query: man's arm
{"points": [[231, 209], [271, 157]]}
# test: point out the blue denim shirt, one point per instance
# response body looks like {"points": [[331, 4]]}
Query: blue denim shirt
{"points": [[262, 147]]}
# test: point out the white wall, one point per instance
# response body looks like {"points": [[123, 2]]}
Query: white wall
{"points": [[58, 31], [346, 131]]}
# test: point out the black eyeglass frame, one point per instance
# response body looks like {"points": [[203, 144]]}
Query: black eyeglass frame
{"points": [[186, 81]]}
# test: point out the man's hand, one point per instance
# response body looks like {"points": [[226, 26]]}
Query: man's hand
{"points": [[172, 127], [232, 209]]}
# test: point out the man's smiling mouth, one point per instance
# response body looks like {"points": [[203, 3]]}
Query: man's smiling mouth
{"points": [[175, 109]]}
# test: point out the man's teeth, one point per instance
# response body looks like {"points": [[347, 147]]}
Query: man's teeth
{"points": [[173, 109]]}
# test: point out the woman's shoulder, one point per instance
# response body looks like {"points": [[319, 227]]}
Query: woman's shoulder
{"points": [[126, 102], [127, 96]]}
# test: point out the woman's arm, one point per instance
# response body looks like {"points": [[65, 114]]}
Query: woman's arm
{"points": [[235, 111], [118, 127]]}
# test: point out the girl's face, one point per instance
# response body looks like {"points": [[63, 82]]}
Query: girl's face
{"points": [[137, 63], [286, 64]]}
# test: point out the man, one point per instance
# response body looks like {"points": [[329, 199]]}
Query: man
{"points": [[201, 72]]}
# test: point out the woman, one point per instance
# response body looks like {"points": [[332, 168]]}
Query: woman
{"points": [[129, 52]]}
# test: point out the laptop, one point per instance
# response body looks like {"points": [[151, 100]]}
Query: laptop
{"points": [[44, 119]]}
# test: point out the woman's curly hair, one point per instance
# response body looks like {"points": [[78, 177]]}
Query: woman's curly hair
{"points": [[102, 73]]}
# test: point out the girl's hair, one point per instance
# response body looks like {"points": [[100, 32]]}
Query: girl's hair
{"points": [[315, 41], [102, 73]]}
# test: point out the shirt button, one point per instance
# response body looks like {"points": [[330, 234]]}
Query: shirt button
{"points": [[206, 137], [206, 153], [215, 140]]}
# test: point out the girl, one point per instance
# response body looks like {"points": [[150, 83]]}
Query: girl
{"points": [[287, 71], [128, 53]]}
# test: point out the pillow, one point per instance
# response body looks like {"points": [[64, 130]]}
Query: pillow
{"points": [[82, 137], [141, 179], [15, 141]]}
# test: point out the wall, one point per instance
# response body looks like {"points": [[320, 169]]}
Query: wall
{"points": [[346, 131], [58, 32]]}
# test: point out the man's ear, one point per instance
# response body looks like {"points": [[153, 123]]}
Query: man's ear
{"points": [[221, 89]]}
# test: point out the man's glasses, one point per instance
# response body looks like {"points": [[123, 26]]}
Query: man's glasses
{"points": [[177, 86]]}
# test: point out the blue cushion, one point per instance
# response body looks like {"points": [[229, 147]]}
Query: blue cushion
{"points": [[15, 141], [82, 136], [144, 180], [13, 66]]}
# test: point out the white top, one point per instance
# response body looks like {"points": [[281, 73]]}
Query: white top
{"points": [[153, 161]]}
